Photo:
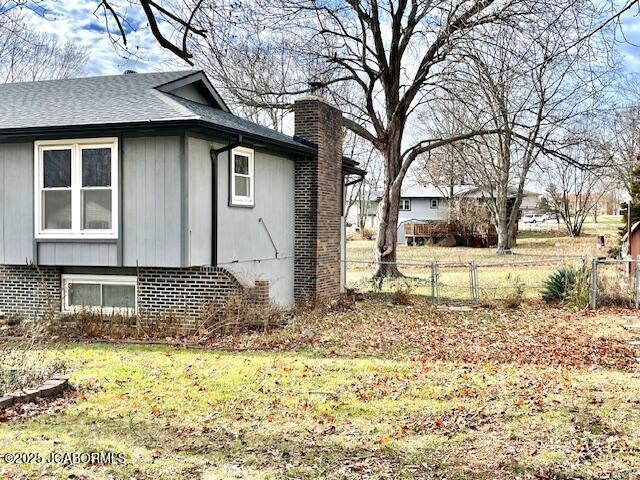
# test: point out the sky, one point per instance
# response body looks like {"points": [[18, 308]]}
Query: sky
{"points": [[75, 21]]}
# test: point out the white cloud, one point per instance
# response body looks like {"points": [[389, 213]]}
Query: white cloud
{"points": [[629, 35], [74, 21]]}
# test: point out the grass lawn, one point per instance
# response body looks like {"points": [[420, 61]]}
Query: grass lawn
{"points": [[372, 391]]}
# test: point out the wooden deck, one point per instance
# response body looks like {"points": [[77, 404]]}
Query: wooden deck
{"points": [[433, 229], [420, 233]]}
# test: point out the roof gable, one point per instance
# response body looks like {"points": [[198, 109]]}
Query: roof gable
{"points": [[195, 87]]}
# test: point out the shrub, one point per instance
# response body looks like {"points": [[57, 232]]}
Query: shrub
{"points": [[615, 251], [515, 298], [368, 233], [567, 284], [402, 295]]}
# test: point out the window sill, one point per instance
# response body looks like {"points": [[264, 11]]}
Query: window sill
{"points": [[125, 312], [90, 239], [242, 205]]}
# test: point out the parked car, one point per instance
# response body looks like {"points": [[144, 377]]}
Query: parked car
{"points": [[533, 218]]}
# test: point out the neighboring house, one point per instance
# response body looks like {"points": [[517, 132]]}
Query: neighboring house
{"points": [[529, 202], [597, 203], [429, 203], [142, 193], [368, 214]]}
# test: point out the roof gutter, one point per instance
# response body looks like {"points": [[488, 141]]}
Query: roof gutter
{"points": [[214, 154], [150, 127]]}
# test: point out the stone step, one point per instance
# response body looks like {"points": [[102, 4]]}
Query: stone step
{"points": [[631, 317], [633, 327], [634, 343]]}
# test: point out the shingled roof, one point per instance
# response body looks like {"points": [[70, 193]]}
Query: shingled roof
{"points": [[117, 100]]}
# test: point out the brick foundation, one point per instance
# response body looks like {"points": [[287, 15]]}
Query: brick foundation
{"points": [[318, 201], [27, 292], [169, 299], [190, 294]]}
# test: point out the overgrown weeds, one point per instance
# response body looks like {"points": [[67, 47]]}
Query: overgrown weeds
{"points": [[615, 290], [515, 297], [24, 362], [401, 294], [25, 356], [239, 314]]}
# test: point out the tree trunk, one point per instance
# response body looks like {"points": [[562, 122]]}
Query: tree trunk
{"points": [[504, 237], [387, 238], [362, 221]]}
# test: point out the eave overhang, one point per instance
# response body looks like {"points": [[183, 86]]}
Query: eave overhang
{"points": [[151, 127]]}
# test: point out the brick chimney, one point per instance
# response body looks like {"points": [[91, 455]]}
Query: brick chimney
{"points": [[318, 201]]}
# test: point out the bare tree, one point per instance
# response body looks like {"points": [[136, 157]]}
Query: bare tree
{"points": [[257, 71], [170, 23], [394, 55], [361, 194], [574, 192], [27, 55], [469, 216], [443, 168], [624, 144], [358, 194], [530, 90]]}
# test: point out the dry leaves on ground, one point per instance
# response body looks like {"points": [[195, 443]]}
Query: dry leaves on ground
{"points": [[532, 334]]}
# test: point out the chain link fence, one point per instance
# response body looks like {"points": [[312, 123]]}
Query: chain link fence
{"points": [[612, 282]]}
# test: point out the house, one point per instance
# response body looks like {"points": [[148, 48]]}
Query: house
{"points": [[142, 193], [430, 203]]}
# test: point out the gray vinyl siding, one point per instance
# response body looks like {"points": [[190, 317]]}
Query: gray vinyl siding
{"points": [[152, 201], [165, 191], [243, 246], [151, 209], [16, 203], [78, 254], [199, 233], [191, 92]]}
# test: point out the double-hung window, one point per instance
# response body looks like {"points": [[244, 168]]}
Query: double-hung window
{"points": [[405, 204], [242, 177], [76, 188]]}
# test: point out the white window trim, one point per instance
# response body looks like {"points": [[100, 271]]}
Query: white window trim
{"points": [[402, 200], [437, 203], [242, 200], [76, 146], [102, 280]]}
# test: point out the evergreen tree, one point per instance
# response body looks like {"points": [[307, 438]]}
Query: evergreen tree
{"points": [[635, 202]]}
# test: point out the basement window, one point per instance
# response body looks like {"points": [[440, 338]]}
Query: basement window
{"points": [[242, 177], [76, 188], [100, 293]]}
